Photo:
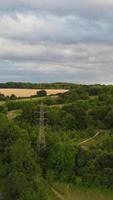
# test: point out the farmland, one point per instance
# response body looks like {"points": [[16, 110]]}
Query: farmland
{"points": [[28, 92]]}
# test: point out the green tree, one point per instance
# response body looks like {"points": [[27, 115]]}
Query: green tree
{"points": [[61, 159], [42, 93], [109, 119]]}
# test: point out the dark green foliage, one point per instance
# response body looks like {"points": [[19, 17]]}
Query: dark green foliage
{"points": [[13, 97], [74, 95], [37, 85], [71, 118], [20, 171], [61, 159], [3, 109], [95, 166], [79, 115], [3, 97], [109, 119], [41, 93]]}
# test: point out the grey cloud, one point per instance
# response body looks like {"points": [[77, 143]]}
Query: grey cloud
{"points": [[92, 53], [54, 29], [60, 6], [76, 76], [80, 63], [63, 40]]}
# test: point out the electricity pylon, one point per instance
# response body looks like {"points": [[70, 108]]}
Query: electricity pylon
{"points": [[41, 141], [41, 138]]}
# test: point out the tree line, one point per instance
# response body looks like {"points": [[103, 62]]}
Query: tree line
{"points": [[71, 118]]}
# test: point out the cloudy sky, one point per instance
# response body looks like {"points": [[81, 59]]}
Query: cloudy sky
{"points": [[56, 40]]}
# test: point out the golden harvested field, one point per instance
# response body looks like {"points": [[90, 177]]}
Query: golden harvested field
{"points": [[28, 92]]}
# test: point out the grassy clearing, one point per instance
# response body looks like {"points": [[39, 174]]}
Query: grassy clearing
{"points": [[76, 193], [2, 103], [34, 99], [27, 99], [13, 114]]}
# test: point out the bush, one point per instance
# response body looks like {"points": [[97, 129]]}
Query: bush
{"points": [[42, 93]]}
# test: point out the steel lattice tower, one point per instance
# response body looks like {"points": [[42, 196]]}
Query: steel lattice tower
{"points": [[41, 138], [41, 142]]}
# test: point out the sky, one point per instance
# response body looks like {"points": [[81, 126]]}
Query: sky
{"points": [[56, 41]]}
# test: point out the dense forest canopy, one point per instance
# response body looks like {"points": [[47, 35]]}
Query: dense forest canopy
{"points": [[78, 129]]}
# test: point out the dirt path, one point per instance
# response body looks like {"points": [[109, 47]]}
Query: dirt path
{"points": [[87, 140], [57, 194]]}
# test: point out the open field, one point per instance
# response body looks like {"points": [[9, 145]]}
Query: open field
{"points": [[31, 99], [28, 92], [77, 193]]}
